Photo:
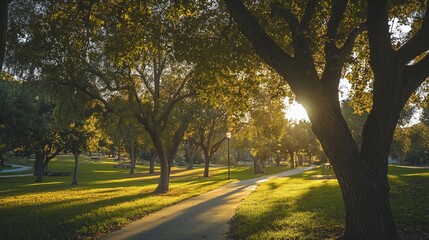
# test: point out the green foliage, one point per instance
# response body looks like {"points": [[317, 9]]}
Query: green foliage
{"points": [[410, 144], [14, 105]]}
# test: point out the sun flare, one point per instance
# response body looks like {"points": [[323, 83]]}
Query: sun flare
{"points": [[296, 112]]}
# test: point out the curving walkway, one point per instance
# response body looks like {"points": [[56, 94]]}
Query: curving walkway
{"points": [[17, 168], [202, 217]]}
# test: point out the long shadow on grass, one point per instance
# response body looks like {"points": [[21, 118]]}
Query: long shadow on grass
{"points": [[292, 216], [59, 219], [318, 213]]}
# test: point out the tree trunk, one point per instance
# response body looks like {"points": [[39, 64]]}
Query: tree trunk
{"points": [[300, 162], [76, 162], [152, 163], [39, 167], [368, 213], [258, 166], [365, 190], [119, 153], [133, 159], [292, 159], [190, 165], [206, 163], [164, 178], [189, 158]]}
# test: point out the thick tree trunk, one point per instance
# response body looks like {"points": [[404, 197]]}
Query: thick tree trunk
{"points": [[365, 190], [258, 166], [76, 162], [164, 178], [368, 213]]}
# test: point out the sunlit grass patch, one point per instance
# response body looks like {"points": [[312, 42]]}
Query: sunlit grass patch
{"points": [[299, 208], [105, 199]]}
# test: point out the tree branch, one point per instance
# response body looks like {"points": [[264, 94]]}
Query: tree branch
{"points": [[303, 56], [378, 32], [181, 86], [165, 115], [348, 45], [415, 75], [145, 81], [310, 9], [93, 95], [216, 146], [263, 44], [417, 44], [337, 14]]}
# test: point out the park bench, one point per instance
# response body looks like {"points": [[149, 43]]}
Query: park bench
{"points": [[55, 174], [327, 165]]}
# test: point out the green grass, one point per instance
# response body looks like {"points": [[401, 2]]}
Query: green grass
{"points": [[299, 208], [106, 198]]}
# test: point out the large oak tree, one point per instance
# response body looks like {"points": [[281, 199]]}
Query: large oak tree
{"points": [[314, 78]]}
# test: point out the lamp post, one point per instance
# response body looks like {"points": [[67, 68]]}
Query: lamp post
{"points": [[228, 136]]}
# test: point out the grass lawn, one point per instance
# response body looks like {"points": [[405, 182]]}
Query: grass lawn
{"points": [[300, 208], [105, 199]]}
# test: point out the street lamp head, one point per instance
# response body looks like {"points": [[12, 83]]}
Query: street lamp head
{"points": [[228, 135]]}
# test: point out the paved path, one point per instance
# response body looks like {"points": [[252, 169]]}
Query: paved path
{"points": [[17, 168], [202, 217]]}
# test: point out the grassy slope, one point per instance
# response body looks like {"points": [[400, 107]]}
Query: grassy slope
{"points": [[299, 208], [105, 199]]}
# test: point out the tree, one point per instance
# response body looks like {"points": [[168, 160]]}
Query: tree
{"points": [[210, 129], [191, 149], [145, 69], [398, 71], [75, 141], [418, 135], [268, 123], [15, 103], [46, 138], [401, 144]]}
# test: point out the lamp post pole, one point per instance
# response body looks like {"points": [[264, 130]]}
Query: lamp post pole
{"points": [[228, 135]]}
